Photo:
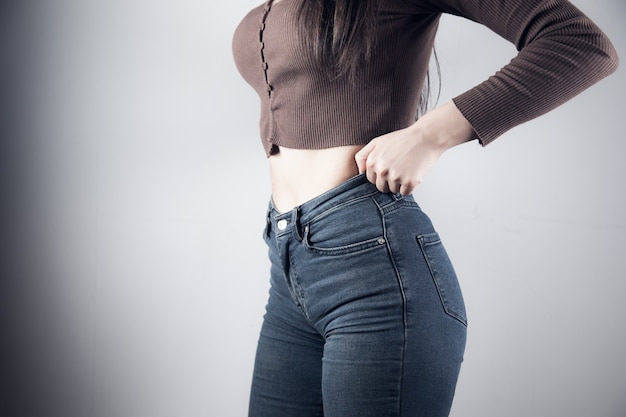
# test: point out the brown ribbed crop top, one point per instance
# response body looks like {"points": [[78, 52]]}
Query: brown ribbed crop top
{"points": [[561, 52]]}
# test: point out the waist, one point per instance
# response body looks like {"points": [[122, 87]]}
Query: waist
{"points": [[301, 175], [350, 202], [345, 196]]}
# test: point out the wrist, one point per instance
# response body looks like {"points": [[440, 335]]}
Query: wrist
{"points": [[444, 127]]}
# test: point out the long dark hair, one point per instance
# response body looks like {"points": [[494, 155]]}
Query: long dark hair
{"points": [[342, 35], [426, 93]]}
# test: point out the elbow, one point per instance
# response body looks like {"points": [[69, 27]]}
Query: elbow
{"points": [[602, 59], [607, 58], [612, 58]]}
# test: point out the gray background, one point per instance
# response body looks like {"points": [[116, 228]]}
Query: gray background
{"points": [[134, 189]]}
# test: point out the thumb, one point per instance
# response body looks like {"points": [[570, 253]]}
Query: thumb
{"points": [[361, 157]]}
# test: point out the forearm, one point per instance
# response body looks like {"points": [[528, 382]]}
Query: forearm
{"points": [[444, 126]]}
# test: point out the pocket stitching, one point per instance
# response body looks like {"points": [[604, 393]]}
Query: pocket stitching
{"points": [[346, 249], [432, 239]]}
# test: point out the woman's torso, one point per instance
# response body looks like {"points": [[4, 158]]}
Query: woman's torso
{"points": [[312, 125], [298, 175]]}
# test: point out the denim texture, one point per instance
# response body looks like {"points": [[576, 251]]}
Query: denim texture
{"points": [[365, 316]]}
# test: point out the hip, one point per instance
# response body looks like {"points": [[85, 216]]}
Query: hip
{"points": [[354, 236]]}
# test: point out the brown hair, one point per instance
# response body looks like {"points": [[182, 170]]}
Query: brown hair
{"points": [[342, 35]]}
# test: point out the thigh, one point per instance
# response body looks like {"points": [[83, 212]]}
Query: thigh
{"points": [[287, 378], [352, 294], [288, 365], [436, 324], [362, 373], [408, 370], [390, 349], [394, 323]]}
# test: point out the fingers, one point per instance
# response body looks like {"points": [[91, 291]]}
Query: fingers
{"points": [[408, 187], [361, 157], [385, 182], [397, 185], [389, 174], [380, 181], [390, 181]]}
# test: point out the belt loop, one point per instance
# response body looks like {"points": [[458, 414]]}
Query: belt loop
{"points": [[268, 222], [297, 215]]}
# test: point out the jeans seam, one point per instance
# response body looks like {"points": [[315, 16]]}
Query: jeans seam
{"points": [[404, 304], [296, 291], [395, 205]]}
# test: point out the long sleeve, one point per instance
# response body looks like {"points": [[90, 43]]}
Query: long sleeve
{"points": [[561, 53]]}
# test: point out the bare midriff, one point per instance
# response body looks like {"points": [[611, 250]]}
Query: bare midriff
{"points": [[299, 175]]}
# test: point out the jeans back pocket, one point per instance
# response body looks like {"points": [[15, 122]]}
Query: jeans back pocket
{"points": [[443, 275]]}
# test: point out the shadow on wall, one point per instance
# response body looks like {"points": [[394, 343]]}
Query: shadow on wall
{"points": [[133, 274]]}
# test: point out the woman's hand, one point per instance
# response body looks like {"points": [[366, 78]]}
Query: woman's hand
{"points": [[398, 161]]}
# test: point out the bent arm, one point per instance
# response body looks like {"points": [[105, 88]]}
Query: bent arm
{"points": [[561, 53]]}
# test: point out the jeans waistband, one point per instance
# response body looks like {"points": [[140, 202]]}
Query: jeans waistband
{"points": [[352, 189]]}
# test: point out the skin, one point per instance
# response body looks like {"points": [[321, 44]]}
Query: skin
{"points": [[396, 162]]}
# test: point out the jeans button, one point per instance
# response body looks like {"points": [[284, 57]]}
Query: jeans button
{"points": [[282, 224]]}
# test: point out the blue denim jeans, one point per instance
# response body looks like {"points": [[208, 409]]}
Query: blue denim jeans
{"points": [[365, 315]]}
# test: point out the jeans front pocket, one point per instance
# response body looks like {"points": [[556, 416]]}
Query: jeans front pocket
{"points": [[443, 275], [353, 227], [346, 249]]}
